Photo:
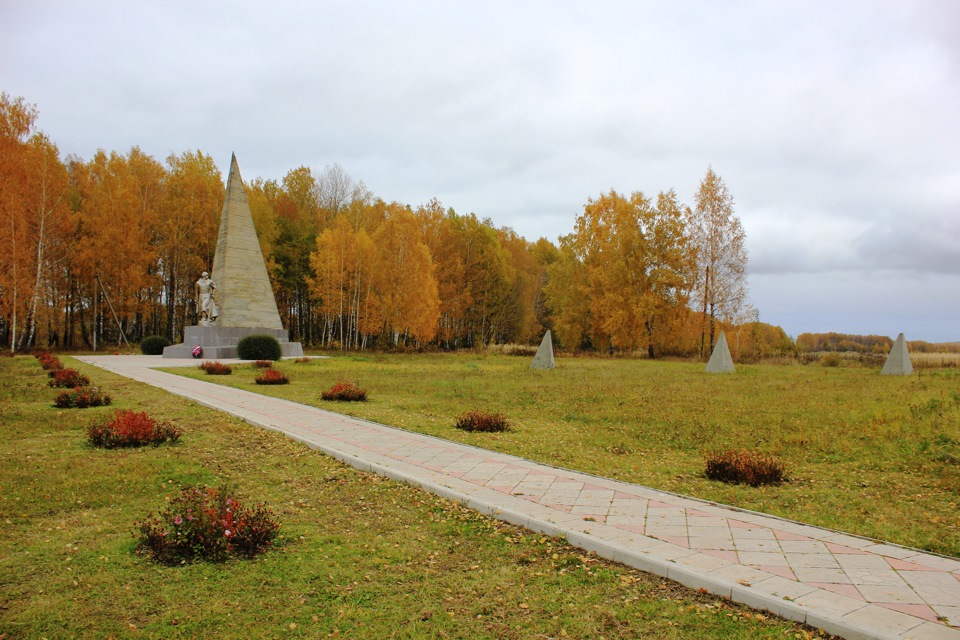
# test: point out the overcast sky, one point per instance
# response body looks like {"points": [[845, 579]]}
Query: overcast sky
{"points": [[835, 124]]}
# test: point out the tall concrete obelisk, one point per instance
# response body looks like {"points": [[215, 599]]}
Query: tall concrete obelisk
{"points": [[239, 271], [243, 293]]}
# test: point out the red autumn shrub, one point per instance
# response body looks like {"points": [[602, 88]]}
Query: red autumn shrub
{"points": [[204, 523], [482, 421], [216, 368], [271, 376], [67, 379], [745, 467], [263, 364], [345, 391], [81, 398], [49, 362], [131, 429]]}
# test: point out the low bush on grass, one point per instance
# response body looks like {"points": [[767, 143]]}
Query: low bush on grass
{"points": [[263, 364], [131, 429], [49, 362], [258, 347], [206, 524], [303, 360], [153, 345], [345, 391], [67, 379], [831, 360], [216, 368], [271, 376], [82, 398], [745, 467], [482, 421]]}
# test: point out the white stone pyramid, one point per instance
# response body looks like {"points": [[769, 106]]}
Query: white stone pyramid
{"points": [[720, 360], [544, 357], [898, 360]]}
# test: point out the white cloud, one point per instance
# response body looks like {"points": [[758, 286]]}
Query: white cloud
{"points": [[833, 125]]}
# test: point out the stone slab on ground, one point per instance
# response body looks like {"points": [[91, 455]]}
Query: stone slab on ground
{"points": [[220, 343]]}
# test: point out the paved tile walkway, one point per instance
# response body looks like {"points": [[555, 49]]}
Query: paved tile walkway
{"points": [[847, 585]]}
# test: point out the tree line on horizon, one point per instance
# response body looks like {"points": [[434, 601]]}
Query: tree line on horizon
{"points": [[119, 240]]}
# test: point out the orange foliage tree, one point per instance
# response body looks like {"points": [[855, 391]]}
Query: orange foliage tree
{"points": [[349, 269], [624, 273]]}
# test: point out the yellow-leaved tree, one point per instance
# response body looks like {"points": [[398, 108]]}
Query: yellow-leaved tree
{"points": [[404, 279], [624, 273], [718, 238]]}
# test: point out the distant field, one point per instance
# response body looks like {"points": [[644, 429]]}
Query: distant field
{"points": [[868, 454], [361, 556], [934, 360]]}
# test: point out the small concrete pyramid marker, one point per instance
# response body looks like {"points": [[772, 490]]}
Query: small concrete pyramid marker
{"points": [[544, 357], [720, 360], [898, 360]]}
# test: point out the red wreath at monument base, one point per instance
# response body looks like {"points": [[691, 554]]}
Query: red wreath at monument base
{"points": [[197, 351]]}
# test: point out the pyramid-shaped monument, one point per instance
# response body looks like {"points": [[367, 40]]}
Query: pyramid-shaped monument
{"points": [[898, 360], [245, 295], [544, 358], [720, 360], [243, 298]]}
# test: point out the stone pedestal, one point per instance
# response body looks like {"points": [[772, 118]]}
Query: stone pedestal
{"points": [[220, 343]]}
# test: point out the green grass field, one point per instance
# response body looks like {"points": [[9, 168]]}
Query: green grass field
{"points": [[361, 557], [867, 454]]}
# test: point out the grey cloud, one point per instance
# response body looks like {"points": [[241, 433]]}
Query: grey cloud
{"points": [[833, 125]]}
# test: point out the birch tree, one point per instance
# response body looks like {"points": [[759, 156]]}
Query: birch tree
{"points": [[719, 241]]}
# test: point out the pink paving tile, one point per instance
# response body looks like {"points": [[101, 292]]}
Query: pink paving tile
{"points": [[841, 549], [594, 487], [902, 565], [542, 473], [738, 524], [635, 528], [682, 541], [916, 610], [701, 514], [501, 489], [783, 572], [843, 589], [786, 535], [724, 555], [455, 474], [620, 495], [656, 504]]}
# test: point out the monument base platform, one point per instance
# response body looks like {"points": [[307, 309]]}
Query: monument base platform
{"points": [[220, 343]]}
